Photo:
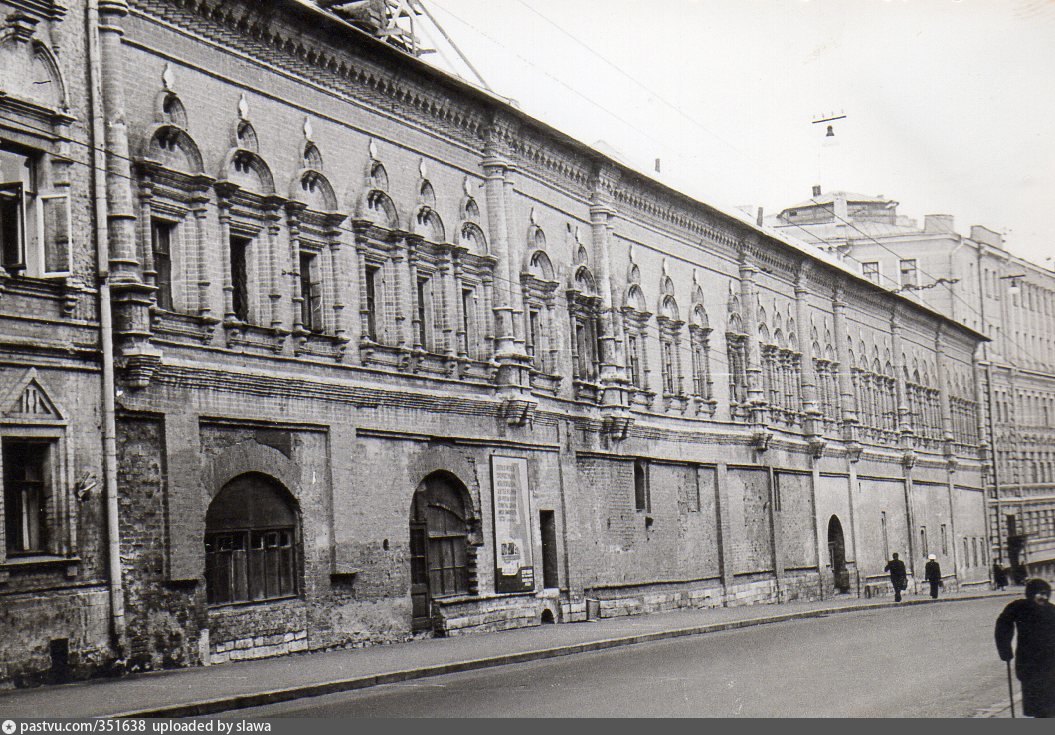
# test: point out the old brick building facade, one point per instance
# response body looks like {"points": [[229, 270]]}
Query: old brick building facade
{"points": [[975, 280], [393, 357]]}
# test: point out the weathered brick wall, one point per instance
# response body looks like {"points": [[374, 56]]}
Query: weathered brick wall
{"points": [[930, 503], [875, 496], [749, 520], [968, 511], [31, 620], [797, 520], [163, 621], [675, 540]]}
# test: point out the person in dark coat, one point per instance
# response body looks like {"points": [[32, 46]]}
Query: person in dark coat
{"points": [[1034, 655], [999, 576], [932, 574], [898, 576]]}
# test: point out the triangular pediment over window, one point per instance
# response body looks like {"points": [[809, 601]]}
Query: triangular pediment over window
{"points": [[30, 400]]}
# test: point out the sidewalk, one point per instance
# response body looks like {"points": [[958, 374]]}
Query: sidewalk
{"points": [[211, 689]]}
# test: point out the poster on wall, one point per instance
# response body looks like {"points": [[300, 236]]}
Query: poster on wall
{"points": [[514, 571]]}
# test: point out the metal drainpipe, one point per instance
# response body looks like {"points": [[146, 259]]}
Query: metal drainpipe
{"points": [[109, 428]]}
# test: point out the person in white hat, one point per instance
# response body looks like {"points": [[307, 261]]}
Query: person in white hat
{"points": [[932, 574]]}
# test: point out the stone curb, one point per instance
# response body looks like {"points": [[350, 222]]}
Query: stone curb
{"points": [[274, 696]]}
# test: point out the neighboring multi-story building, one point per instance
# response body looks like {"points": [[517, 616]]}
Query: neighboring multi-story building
{"points": [[974, 280], [394, 357], [54, 596]]}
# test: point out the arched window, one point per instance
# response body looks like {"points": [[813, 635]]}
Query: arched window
{"points": [[250, 536]]}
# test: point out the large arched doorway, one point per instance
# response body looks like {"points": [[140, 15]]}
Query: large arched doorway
{"points": [[837, 555], [439, 545], [250, 542]]}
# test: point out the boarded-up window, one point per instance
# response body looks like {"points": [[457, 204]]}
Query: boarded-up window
{"points": [[57, 237], [250, 530]]}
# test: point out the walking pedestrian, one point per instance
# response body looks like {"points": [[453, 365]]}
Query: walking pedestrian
{"points": [[1034, 618], [898, 576], [999, 576], [932, 574]]}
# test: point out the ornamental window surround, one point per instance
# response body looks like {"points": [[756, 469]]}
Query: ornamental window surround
{"points": [[539, 287], [175, 245], [826, 367], [964, 411], [250, 216], [584, 310], [35, 459], [736, 356], [35, 236], [380, 261], [668, 319], [699, 341], [472, 276], [781, 368], [876, 392], [636, 319], [924, 406], [318, 281]]}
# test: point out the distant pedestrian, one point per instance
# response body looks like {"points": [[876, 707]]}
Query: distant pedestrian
{"points": [[1034, 655], [999, 576], [898, 576], [932, 574]]}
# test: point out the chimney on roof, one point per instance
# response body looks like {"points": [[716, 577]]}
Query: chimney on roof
{"points": [[759, 217], [657, 166], [816, 190], [938, 223]]}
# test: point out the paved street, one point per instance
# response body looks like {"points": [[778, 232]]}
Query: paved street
{"points": [[923, 661]]}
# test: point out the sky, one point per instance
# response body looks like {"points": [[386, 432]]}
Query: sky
{"points": [[949, 104]]}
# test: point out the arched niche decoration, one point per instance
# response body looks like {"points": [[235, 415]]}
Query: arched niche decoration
{"points": [[169, 109], [312, 188], [376, 207], [246, 169], [429, 225], [29, 70], [311, 158], [171, 147], [471, 236], [245, 136]]}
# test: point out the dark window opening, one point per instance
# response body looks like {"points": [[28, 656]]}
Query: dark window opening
{"points": [[25, 496], [534, 338], [250, 543], [548, 529], [161, 245], [633, 361], [12, 227], [468, 320], [425, 312], [642, 495], [311, 316], [668, 367], [372, 275], [240, 276]]}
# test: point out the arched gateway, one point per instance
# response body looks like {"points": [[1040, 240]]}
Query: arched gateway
{"points": [[837, 554], [439, 544]]}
